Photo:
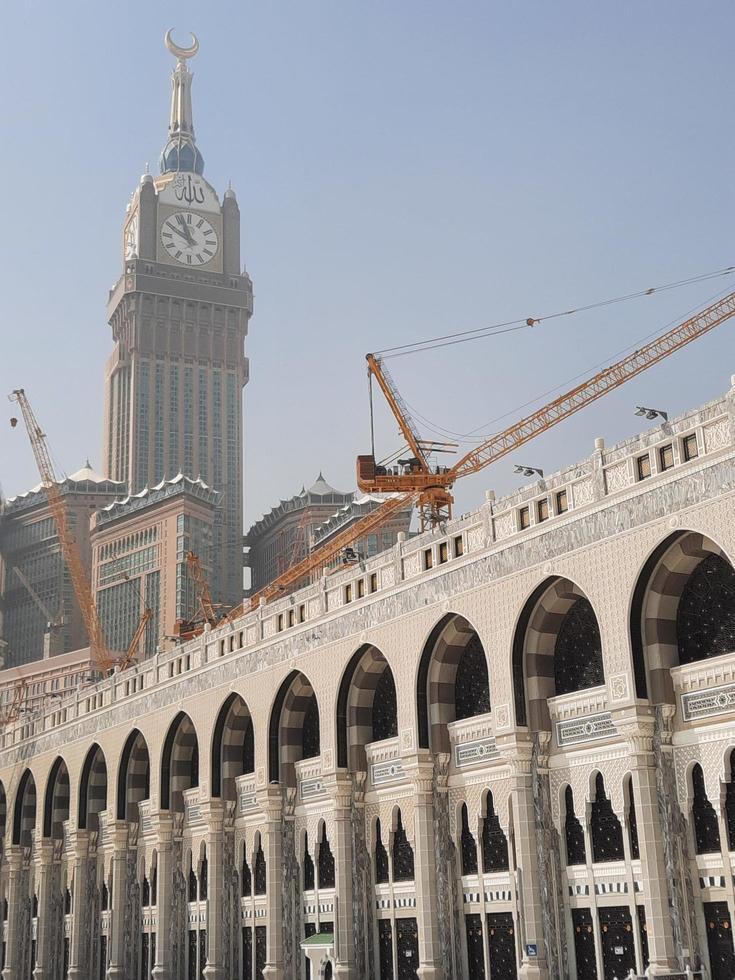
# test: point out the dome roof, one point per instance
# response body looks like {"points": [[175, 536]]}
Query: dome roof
{"points": [[321, 488]]}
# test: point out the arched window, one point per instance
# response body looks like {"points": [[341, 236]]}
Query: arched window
{"points": [[308, 867], [635, 851], [573, 832], [203, 877], [607, 834], [381, 859], [154, 885], [325, 863], [402, 854], [578, 650], [471, 685], [260, 871], [34, 909], [494, 841], [192, 884], [385, 709], [246, 878], [469, 846], [706, 828], [705, 619], [145, 896]]}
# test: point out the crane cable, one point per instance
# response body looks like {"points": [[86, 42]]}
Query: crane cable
{"points": [[470, 438], [509, 326]]}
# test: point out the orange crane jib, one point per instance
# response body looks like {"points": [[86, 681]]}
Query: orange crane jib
{"points": [[78, 573], [434, 485]]}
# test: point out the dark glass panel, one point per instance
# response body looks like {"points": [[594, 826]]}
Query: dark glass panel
{"points": [[382, 872], [574, 832], [584, 944], [607, 833], [494, 841], [308, 867], [402, 854], [310, 730], [260, 871], [471, 686], [578, 650], [385, 707], [501, 946], [469, 846], [635, 851], [475, 950], [705, 619], [326, 864], [706, 827]]}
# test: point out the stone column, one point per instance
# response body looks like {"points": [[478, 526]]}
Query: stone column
{"points": [[78, 844], [271, 803], [162, 968], [215, 817], [661, 947], [45, 955], [518, 749], [421, 772], [17, 907], [117, 843], [339, 787]]}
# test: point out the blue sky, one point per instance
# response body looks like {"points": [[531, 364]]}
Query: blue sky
{"points": [[404, 169]]}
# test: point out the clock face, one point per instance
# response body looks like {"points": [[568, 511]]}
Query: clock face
{"points": [[131, 237], [189, 238]]}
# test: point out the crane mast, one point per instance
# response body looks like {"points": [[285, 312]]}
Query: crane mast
{"points": [[78, 573]]}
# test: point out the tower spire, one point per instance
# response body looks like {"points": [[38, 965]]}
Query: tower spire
{"points": [[181, 152]]}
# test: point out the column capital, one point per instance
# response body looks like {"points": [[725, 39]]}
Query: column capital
{"points": [[270, 800], [339, 787]]}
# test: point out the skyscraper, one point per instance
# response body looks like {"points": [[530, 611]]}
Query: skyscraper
{"points": [[179, 315]]}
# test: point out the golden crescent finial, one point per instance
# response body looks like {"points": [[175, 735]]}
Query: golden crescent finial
{"points": [[181, 53]]}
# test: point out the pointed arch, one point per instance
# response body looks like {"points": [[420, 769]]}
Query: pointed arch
{"points": [[366, 707], [293, 731], [179, 762], [24, 810], [557, 649], [683, 609], [452, 680], [133, 776], [92, 789], [56, 800], [233, 746]]}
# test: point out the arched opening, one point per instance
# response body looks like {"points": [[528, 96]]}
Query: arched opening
{"points": [[246, 875], [92, 789], [382, 871], [683, 611], [494, 841], [24, 811], [366, 707], [308, 867], [556, 650], [133, 777], [605, 828], [706, 826], [468, 844], [452, 681], [403, 864], [730, 802], [3, 811], [573, 832], [233, 747], [260, 868], [179, 763], [325, 861], [56, 800], [293, 733]]}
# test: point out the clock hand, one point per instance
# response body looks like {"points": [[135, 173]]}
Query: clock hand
{"points": [[187, 238], [186, 232]]}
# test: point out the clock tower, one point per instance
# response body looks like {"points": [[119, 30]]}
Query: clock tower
{"points": [[179, 315]]}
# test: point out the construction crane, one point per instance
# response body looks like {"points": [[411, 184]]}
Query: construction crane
{"points": [[185, 629], [416, 482], [433, 485], [80, 581]]}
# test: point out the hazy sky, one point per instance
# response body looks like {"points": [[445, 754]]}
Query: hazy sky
{"points": [[403, 169]]}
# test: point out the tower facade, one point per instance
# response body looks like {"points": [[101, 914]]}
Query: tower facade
{"points": [[179, 315]]}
